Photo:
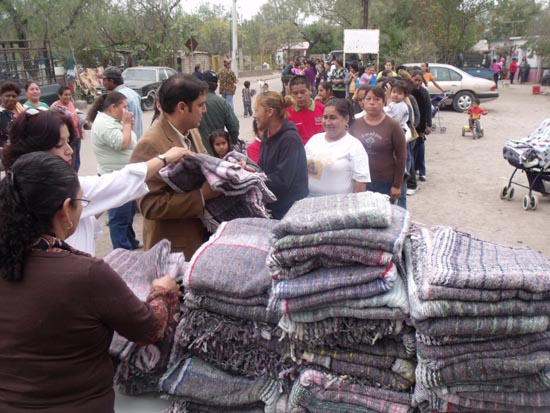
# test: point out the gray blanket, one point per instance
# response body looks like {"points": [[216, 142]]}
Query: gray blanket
{"points": [[232, 262], [292, 263], [334, 295], [462, 267], [197, 381], [417, 259], [319, 392], [388, 239], [335, 212]]}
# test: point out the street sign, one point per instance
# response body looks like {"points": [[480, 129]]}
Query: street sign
{"points": [[191, 44]]}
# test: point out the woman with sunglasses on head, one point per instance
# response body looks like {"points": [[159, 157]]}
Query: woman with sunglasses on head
{"points": [[52, 132], [60, 306]]}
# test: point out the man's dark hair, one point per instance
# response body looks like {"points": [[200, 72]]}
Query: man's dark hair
{"points": [[246, 84], [116, 80], [299, 80], [180, 87], [197, 67]]}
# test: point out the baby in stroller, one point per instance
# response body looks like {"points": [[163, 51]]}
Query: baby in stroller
{"points": [[474, 121]]}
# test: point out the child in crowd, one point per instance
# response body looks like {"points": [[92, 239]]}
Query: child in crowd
{"points": [[253, 150], [396, 93], [219, 140], [248, 94], [474, 121]]}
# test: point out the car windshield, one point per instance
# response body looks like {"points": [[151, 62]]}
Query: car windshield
{"points": [[140, 74]]}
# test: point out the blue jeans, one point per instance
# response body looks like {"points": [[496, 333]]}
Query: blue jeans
{"points": [[419, 156], [229, 99], [383, 187], [120, 226], [76, 153]]}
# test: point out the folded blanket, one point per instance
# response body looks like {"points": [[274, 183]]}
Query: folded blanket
{"points": [[483, 326], [245, 193], [326, 279], [197, 381], [461, 267], [335, 212], [319, 392], [402, 346], [418, 270], [258, 312], [241, 347], [388, 372], [239, 248], [292, 263], [338, 332], [480, 370], [522, 343], [335, 311], [388, 239], [336, 295], [181, 406]]}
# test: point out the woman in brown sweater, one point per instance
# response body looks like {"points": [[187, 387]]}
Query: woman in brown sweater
{"points": [[58, 306]]}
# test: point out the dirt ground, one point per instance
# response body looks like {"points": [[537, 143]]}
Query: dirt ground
{"points": [[464, 177]]}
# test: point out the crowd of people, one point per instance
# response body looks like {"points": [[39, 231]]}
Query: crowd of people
{"points": [[332, 130]]}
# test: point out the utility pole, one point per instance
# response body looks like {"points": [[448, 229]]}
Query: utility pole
{"points": [[234, 48]]}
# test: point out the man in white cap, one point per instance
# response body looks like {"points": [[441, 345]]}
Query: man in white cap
{"points": [[113, 81], [228, 82]]}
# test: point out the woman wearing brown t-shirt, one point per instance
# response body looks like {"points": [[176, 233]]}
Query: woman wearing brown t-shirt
{"points": [[385, 144]]}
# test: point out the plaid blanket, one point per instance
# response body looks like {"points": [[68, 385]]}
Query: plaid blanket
{"points": [[400, 346], [326, 279], [392, 305], [258, 313], [389, 239], [241, 347], [239, 247], [195, 380], [320, 392], [292, 263], [418, 270], [336, 294], [339, 332], [335, 212], [182, 406], [462, 267], [245, 193]]}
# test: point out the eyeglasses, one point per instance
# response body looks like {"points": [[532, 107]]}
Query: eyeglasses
{"points": [[84, 201]]}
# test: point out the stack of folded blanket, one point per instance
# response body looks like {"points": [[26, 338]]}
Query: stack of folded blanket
{"points": [[339, 289], [139, 367], [244, 193], [482, 313], [226, 326]]}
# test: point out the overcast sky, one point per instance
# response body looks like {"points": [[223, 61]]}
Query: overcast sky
{"points": [[245, 8]]}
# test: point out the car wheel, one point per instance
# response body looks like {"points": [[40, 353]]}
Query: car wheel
{"points": [[462, 101], [149, 103]]}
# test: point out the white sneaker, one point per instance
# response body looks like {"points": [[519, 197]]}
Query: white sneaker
{"points": [[411, 191]]}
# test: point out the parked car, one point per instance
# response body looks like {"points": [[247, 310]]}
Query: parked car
{"points": [[462, 86], [145, 80], [350, 57], [48, 94]]}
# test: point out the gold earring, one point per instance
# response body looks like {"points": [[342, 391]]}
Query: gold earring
{"points": [[69, 225]]}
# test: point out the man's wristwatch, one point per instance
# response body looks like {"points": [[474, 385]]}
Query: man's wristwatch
{"points": [[162, 158]]}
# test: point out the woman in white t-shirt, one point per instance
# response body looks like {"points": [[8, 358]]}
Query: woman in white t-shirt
{"points": [[337, 162]]}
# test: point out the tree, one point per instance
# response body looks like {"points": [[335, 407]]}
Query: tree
{"points": [[509, 18], [538, 33]]}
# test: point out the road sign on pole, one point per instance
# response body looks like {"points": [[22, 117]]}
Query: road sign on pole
{"points": [[191, 44]]}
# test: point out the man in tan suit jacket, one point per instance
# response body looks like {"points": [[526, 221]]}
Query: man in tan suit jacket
{"points": [[167, 214]]}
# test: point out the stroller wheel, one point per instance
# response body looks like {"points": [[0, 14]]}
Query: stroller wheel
{"points": [[434, 127], [503, 192], [510, 194], [534, 202], [526, 204], [463, 131], [443, 129]]}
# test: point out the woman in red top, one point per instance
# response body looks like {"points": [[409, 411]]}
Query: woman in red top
{"points": [[513, 69]]}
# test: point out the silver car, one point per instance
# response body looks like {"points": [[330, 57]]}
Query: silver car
{"points": [[462, 86]]}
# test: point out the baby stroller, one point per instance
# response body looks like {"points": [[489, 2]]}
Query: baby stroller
{"points": [[532, 156], [438, 102]]}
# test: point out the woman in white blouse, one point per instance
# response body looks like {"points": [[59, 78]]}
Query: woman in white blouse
{"points": [[337, 162], [52, 132]]}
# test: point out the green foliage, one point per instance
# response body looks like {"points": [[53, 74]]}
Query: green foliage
{"points": [[509, 18], [538, 32]]}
